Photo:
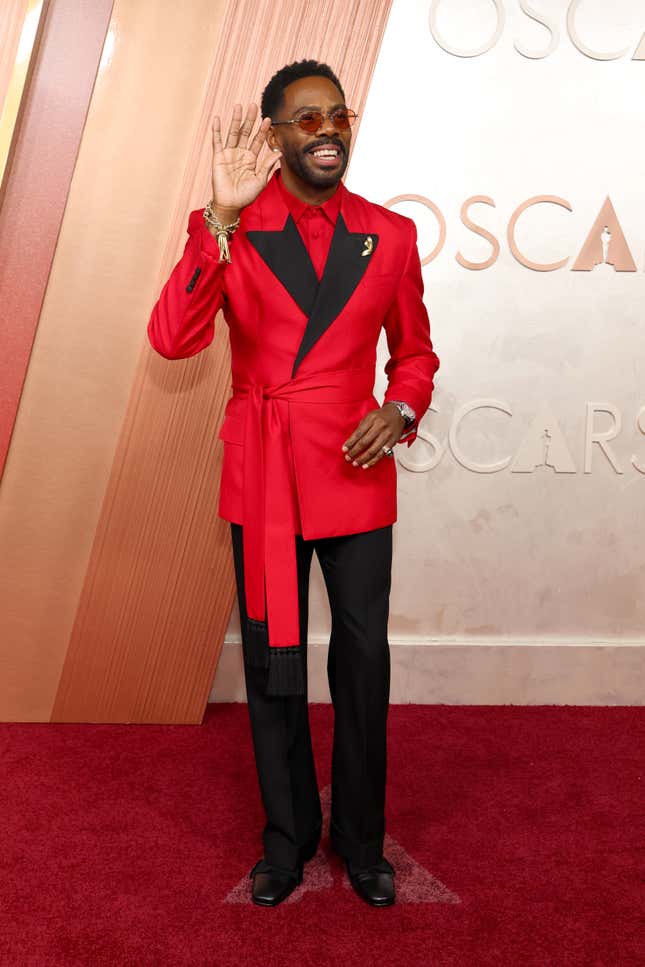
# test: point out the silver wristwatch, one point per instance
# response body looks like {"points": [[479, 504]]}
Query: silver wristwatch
{"points": [[406, 412]]}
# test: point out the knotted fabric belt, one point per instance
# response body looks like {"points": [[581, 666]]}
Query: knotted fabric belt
{"points": [[270, 566]]}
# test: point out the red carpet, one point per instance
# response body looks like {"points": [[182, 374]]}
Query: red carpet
{"points": [[517, 834]]}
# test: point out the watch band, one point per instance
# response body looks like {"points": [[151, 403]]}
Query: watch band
{"points": [[406, 411]]}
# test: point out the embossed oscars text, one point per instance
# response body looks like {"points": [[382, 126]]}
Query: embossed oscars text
{"points": [[539, 17], [605, 244], [543, 446]]}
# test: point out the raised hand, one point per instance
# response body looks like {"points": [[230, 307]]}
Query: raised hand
{"points": [[238, 176]]}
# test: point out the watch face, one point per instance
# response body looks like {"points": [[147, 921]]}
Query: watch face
{"points": [[407, 413]]}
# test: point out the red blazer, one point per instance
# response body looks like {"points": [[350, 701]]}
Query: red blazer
{"points": [[303, 356]]}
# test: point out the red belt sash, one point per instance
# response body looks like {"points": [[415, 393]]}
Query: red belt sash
{"points": [[269, 525]]}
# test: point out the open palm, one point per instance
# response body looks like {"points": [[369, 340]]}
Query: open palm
{"points": [[238, 176]]}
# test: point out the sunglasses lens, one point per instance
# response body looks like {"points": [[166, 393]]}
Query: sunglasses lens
{"points": [[310, 121], [342, 120]]}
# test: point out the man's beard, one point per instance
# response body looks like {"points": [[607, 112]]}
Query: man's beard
{"points": [[295, 160]]}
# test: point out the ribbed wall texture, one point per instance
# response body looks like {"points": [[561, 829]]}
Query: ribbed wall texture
{"points": [[159, 587]]}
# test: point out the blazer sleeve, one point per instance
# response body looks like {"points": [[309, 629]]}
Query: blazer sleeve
{"points": [[182, 322], [412, 364]]}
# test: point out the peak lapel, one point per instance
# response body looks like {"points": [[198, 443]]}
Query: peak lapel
{"points": [[344, 269], [286, 255]]}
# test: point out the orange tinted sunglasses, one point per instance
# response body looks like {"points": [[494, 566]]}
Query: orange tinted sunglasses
{"points": [[310, 121]]}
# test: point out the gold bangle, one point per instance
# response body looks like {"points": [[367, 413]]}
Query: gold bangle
{"points": [[222, 232]]}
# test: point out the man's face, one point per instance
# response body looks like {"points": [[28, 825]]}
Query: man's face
{"points": [[298, 146]]}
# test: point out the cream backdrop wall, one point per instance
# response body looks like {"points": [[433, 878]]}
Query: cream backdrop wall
{"points": [[518, 554]]}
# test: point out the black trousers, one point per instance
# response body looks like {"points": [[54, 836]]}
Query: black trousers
{"points": [[357, 573]]}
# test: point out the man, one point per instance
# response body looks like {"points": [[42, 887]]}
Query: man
{"points": [[307, 273]]}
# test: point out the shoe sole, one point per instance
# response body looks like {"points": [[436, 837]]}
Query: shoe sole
{"points": [[263, 903], [372, 903]]}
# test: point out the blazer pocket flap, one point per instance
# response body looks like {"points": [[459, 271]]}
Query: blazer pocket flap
{"points": [[232, 430]]}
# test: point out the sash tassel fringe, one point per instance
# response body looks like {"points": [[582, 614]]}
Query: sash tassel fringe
{"points": [[286, 673]]}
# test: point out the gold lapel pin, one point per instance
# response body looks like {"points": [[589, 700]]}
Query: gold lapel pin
{"points": [[369, 245]]}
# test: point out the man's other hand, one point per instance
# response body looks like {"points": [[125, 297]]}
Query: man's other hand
{"points": [[378, 428]]}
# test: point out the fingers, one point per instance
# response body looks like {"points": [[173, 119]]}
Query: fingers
{"points": [[258, 141], [364, 446], [238, 132], [359, 438], [351, 443], [247, 126], [234, 127], [269, 162], [260, 136], [373, 451], [217, 135]]}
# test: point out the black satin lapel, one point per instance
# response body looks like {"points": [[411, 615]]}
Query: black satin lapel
{"points": [[286, 255], [344, 269]]}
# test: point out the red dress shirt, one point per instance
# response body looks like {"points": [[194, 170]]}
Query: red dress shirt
{"points": [[315, 223]]}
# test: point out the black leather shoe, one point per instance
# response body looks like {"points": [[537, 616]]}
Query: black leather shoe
{"points": [[272, 884], [375, 883]]}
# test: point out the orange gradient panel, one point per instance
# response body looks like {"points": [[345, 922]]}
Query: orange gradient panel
{"points": [[107, 247]]}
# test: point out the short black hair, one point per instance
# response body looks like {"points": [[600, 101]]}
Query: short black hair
{"points": [[272, 95]]}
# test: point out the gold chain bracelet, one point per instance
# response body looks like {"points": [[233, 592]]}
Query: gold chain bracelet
{"points": [[222, 232]]}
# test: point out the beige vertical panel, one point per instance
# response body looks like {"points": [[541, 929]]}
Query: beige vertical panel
{"points": [[160, 587], [126, 186], [21, 30], [48, 99], [12, 20]]}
